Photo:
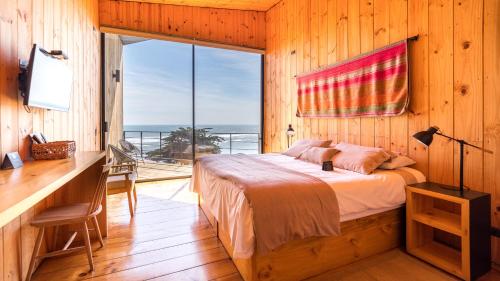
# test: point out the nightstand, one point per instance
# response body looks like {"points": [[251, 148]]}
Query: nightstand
{"points": [[465, 219]]}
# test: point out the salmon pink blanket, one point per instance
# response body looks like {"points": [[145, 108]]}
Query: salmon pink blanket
{"points": [[287, 205], [373, 84]]}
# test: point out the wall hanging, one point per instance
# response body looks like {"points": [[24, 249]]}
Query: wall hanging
{"points": [[372, 84]]}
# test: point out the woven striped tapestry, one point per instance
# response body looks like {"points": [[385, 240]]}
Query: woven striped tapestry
{"points": [[373, 84]]}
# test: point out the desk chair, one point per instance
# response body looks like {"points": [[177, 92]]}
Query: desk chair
{"points": [[79, 213]]}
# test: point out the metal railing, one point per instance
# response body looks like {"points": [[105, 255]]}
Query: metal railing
{"points": [[146, 141]]}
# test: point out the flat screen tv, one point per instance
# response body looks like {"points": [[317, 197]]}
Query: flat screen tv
{"points": [[48, 81]]}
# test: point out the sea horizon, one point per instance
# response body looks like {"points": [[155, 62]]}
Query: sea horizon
{"points": [[243, 138]]}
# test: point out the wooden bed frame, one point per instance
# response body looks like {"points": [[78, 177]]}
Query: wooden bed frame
{"points": [[301, 259]]}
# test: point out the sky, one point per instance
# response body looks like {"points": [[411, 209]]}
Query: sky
{"points": [[157, 85]]}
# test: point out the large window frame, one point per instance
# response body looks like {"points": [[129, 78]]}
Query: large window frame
{"points": [[194, 44]]}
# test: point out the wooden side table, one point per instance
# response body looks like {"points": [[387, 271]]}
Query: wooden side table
{"points": [[469, 223]]}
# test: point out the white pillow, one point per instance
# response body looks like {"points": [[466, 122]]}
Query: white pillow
{"points": [[343, 146], [397, 162], [300, 146], [318, 155]]}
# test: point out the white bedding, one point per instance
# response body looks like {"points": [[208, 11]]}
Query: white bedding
{"points": [[358, 196]]}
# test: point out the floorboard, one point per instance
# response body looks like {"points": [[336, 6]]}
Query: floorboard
{"points": [[170, 239]]}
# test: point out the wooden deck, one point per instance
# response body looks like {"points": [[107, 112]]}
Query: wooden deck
{"points": [[160, 171], [170, 239]]}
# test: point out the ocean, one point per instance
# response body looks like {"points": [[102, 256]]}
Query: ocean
{"points": [[237, 138]]}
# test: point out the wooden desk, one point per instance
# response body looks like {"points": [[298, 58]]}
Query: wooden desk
{"points": [[38, 185], [23, 188]]}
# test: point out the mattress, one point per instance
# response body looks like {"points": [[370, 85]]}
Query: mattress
{"points": [[358, 196], [356, 193]]}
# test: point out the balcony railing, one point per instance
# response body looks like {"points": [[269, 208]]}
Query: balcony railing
{"points": [[147, 141]]}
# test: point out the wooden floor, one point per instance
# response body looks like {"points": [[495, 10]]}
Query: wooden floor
{"points": [[170, 239]]}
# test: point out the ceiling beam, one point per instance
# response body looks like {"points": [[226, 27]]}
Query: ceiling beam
{"points": [[251, 5]]}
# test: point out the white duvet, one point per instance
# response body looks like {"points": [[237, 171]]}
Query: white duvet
{"points": [[358, 195]]}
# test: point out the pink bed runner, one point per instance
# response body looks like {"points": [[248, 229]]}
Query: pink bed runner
{"points": [[287, 205]]}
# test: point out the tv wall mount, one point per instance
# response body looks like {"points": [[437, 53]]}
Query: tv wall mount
{"points": [[22, 77]]}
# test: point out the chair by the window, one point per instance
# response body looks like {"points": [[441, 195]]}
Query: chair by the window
{"points": [[80, 214], [130, 149], [120, 157], [123, 176]]}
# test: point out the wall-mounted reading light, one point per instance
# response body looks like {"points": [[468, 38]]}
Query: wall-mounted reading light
{"points": [[116, 75], [290, 133], [57, 54]]}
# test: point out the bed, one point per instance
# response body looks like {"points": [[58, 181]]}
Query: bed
{"points": [[370, 209]]}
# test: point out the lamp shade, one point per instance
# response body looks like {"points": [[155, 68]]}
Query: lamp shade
{"points": [[290, 132], [425, 137]]}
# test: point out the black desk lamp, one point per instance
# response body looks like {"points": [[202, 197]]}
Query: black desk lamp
{"points": [[425, 137]]}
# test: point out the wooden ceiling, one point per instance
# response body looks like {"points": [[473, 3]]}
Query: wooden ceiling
{"points": [[254, 5]]}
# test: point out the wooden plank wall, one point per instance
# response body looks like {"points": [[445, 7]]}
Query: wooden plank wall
{"points": [[54, 24], [232, 27], [455, 79]]}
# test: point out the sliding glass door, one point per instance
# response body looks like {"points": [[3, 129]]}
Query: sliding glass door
{"points": [[158, 106], [227, 101], [170, 88]]}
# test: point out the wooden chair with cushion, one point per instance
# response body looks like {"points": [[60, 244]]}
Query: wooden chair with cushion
{"points": [[123, 176], [79, 213]]}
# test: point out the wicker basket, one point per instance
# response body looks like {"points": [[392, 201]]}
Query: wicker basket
{"points": [[53, 150]]}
